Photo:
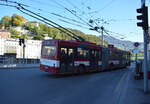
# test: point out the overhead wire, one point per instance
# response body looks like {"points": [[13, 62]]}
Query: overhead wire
{"points": [[67, 31], [105, 6], [45, 4], [120, 37], [63, 20], [75, 15], [58, 15], [50, 21], [73, 24], [83, 13], [47, 23], [72, 12], [38, 19]]}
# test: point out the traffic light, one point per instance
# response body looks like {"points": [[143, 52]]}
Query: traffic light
{"points": [[20, 41], [23, 41], [143, 17]]}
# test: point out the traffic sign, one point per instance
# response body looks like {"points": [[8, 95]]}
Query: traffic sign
{"points": [[136, 44]]}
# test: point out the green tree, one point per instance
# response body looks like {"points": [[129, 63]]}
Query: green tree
{"points": [[38, 37], [17, 20], [15, 34], [5, 21]]}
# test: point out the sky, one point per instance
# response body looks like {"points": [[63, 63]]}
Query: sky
{"points": [[118, 17]]}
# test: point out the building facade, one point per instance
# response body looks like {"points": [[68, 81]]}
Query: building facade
{"points": [[11, 46]]}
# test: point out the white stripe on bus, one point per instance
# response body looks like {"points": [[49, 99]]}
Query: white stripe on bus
{"points": [[77, 63], [51, 63], [114, 62], [56, 63]]}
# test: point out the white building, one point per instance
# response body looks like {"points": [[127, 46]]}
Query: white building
{"points": [[11, 46], [32, 49]]}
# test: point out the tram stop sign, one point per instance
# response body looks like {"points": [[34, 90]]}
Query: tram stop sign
{"points": [[136, 44]]}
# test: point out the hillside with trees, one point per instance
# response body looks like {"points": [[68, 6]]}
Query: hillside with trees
{"points": [[37, 32]]}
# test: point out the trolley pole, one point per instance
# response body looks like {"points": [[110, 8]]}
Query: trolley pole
{"points": [[102, 28]]}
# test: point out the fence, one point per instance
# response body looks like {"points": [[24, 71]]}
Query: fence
{"points": [[12, 62]]}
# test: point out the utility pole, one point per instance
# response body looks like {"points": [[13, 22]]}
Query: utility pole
{"points": [[144, 24], [102, 32], [102, 28]]}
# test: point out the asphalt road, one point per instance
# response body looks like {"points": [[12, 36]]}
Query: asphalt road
{"points": [[32, 86]]}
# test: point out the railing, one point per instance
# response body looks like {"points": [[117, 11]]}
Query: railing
{"points": [[12, 62]]}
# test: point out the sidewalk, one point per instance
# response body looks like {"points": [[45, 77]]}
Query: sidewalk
{"points": [[134, 93], [16, 66]]}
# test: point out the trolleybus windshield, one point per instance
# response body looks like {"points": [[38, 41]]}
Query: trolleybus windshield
{"points": [[49, 51]]}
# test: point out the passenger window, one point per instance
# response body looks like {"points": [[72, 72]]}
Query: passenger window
{"points": [[82, 53]]}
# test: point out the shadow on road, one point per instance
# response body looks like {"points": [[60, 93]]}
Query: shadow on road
{"points": [[48, 75]]}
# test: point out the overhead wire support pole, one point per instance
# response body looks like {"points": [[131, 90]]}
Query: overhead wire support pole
{"points": [[102, 28]]}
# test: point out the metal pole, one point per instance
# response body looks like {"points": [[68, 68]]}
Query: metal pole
{"points": [[145, 63], [23, 53], [136, 58], [136, 63], [145, 33], [102, 36]]}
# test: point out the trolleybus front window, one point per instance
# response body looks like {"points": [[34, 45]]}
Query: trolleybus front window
{"points": [[48, 51]]}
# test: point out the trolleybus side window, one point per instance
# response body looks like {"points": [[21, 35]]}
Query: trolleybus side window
{"points": [[48, 51], [63, 50], [95, 53], [82, 53]]}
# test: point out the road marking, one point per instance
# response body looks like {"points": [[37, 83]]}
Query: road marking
{"points": [[118, 85]]}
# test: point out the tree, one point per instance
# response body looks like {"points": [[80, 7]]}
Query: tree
{"points": [[15, 34], [18, 20], [38, 37], [5, 21]]}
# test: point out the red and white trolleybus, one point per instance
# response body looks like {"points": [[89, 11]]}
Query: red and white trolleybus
{"points": [[70, 56]]}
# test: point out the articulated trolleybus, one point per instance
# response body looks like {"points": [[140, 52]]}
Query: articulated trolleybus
{"points": [[70, 56]]}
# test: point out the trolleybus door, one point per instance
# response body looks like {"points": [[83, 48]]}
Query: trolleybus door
{"points": [[66, 60], [70, 66], [94, 59], [105, 58]]}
